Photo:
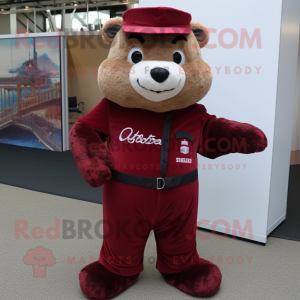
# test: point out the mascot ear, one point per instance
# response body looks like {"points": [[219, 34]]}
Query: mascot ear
{"points": [[111, 28], [201, 33]]}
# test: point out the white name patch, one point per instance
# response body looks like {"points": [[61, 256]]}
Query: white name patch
{"points": [[128, 135]]}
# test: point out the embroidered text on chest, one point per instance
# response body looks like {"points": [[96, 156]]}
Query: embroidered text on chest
{"points": [[184, 160], [128, 135]]}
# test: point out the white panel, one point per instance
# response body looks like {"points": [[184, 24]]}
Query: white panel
{"points": [[251, 98], [296, 124], [287, 74]]}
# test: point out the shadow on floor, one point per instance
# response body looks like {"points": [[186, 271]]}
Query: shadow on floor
{"points": [[290, 228], [45, 171]]}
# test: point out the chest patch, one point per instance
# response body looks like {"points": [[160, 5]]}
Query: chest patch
{"points": [[183, 160], [184, 149]]}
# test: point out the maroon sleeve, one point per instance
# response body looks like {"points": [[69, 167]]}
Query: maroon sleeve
{"points": [[97, 118], [220, 137], [92, 158]]}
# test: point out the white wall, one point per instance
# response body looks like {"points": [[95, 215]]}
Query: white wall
{"points": [[286, 93], [296, 123], [266, 99]]}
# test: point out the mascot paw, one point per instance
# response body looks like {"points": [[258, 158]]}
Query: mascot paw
{"points": [[96, 172], [262, 141], [97, 282], [201, 280]]}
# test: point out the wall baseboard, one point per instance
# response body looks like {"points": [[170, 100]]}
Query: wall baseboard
{"points": [[295, 158]]}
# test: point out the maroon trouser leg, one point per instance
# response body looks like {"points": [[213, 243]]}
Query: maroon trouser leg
{"points": [[131, 212]]}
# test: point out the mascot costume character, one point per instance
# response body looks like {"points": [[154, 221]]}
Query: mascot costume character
{"points": [[141, 143]]}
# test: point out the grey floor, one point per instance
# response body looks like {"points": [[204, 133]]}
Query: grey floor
{"points": [[273, 273]]}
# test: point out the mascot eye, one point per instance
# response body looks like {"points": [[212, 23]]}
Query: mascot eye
{"points": [[135, 55], [178, 57]]}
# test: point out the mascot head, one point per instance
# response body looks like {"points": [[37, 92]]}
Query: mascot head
{"points": [[155, 60]]}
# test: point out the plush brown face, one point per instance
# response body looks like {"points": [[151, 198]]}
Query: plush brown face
{"points": [[154, 72]]}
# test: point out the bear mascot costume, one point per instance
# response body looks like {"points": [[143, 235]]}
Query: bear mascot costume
{"points": [[141, 143]]}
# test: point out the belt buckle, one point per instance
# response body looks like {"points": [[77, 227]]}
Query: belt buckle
{"points": [[157, 181]]}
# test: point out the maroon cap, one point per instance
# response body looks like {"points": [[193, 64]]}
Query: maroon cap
{"points": [[156, 20]]}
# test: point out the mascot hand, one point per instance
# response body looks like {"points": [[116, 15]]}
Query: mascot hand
{"points": [[92, 157], [259, 140]]}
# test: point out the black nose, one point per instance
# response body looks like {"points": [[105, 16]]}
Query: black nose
{"points": [[159, 74]]}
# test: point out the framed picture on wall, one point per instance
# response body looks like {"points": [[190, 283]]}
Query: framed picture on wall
{"points": [[30, 92]]}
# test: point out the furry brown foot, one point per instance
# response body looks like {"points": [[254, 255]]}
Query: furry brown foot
{"points": [[201, 280], [98, 283]]}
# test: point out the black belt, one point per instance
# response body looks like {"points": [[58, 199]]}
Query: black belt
{"points": [[162, 182], [158, 183]]}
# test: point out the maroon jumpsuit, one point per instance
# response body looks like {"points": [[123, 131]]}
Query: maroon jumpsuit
{"points": [[131, 212]]}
